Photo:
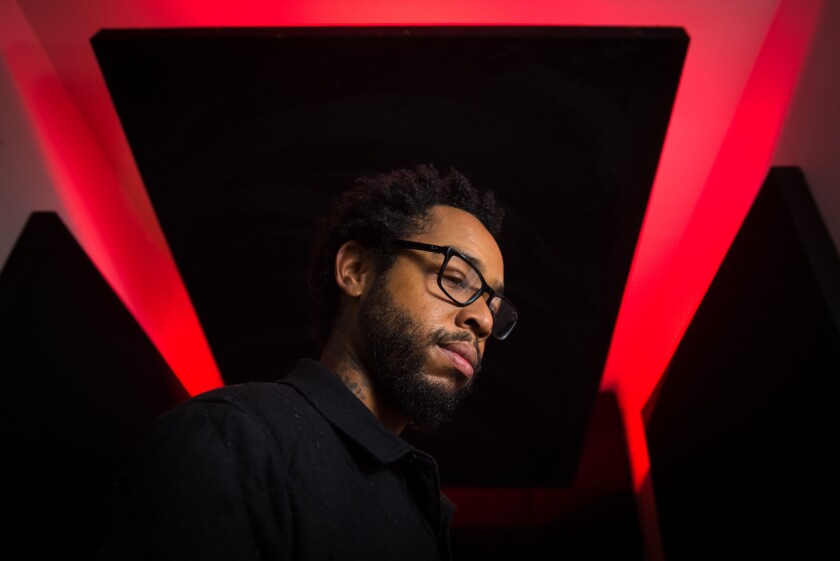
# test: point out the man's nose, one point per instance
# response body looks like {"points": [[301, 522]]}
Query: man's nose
{"points": [[477, 318]]}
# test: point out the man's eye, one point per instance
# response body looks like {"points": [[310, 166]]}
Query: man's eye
{"points": [[455, 281]]}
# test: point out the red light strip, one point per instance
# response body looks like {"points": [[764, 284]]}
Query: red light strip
{"points": [[135, 263], [657, 308]]}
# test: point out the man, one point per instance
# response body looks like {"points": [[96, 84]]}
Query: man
{"points": [[406, 276]]}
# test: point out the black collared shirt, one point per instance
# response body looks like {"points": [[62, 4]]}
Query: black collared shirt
{"points": [[298, 469]]}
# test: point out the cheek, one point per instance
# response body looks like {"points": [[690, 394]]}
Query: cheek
{"points": [[423, 305]]}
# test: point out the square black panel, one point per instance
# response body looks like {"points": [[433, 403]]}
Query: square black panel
{"points": [[242, 136]]}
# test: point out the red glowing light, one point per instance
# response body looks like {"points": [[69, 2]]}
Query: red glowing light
{"points": [[136, 264]]}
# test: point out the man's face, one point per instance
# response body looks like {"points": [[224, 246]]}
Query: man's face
{"points": [[424, 352]]}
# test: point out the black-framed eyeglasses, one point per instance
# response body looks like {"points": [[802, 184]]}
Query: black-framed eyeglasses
{"points": [[463, 284]]}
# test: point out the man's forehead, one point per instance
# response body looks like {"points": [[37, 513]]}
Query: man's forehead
{"points": [[464, 232]]}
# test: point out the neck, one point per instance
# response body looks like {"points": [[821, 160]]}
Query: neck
{"points": [[340, 357]]}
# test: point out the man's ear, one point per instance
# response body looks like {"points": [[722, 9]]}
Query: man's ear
{"points": [[353, 268]]}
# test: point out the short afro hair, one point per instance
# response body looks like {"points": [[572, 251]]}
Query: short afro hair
{"points": [[378, 209]]}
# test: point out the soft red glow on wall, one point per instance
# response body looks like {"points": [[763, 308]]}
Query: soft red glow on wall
{"points": [[659, 301], [138, 266]]}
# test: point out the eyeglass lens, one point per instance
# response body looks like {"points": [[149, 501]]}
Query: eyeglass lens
{"points": [[461, 282]]}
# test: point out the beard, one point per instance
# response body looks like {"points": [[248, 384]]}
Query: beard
{"points": [[396, 360]]}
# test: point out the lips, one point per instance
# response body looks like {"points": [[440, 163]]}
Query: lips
{"points": [[463, 356]]}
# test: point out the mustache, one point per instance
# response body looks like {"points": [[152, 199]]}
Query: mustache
{"points": [[442, 336]]}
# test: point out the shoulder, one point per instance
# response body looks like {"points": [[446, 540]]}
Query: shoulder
{"points": [[256, 415], [251, 424], [276, 407], [245, 396], [255, 404], [299, 391]]}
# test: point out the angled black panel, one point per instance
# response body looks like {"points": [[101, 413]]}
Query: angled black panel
{"points": [[243, 135], [80, 379], [742, 437]]}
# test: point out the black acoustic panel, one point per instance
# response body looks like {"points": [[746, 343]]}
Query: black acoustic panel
{"points": [[242, 137], [80, 379], [742, 436]]}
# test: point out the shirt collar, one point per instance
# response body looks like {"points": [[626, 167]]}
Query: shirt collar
{"points": [[322, 388]]}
